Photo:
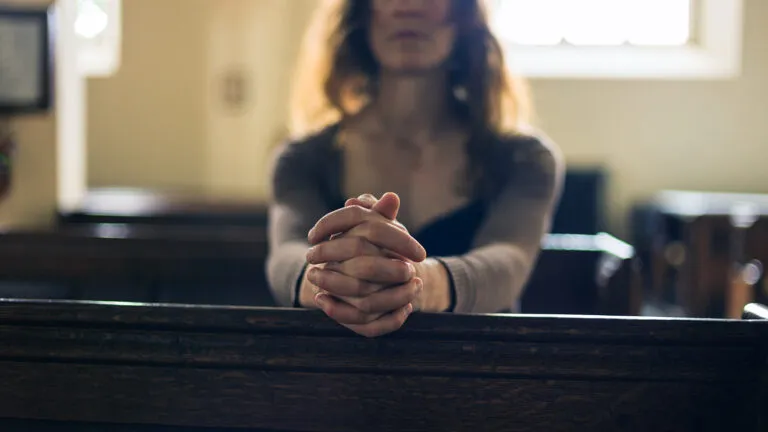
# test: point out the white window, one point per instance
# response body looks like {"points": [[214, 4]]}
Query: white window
{"points": [[98, 28], [621, 38]]}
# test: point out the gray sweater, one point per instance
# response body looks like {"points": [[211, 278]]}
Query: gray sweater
{"points": [[487, 274]]}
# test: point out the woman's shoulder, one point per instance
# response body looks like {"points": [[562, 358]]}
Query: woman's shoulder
{"points": [[528, 161], [298, 162], [530, 147], [307, 147]]}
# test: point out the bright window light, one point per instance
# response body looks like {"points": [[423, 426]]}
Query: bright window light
{"points": [[98, 26], [624, 39], [593, 22], [529, 22], [92, 20], [660, 22]]}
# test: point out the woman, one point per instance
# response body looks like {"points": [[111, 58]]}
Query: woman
{"points": [[408, 106]]}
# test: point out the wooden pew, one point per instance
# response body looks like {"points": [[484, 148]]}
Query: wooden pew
{"points": [[576, 274], [694, 245], [225, 265], [164, 208], [138, 263], [584, 275], [69, 366]]}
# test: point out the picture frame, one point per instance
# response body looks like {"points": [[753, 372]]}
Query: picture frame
{"points": [[26, 60]]}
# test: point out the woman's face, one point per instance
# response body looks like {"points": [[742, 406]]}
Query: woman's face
{"points": [[411, 36]]}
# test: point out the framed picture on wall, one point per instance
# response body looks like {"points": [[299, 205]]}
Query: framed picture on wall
{"points": [[26, 60]]}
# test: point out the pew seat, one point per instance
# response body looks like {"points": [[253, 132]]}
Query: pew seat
{"points": [[86, 366]]}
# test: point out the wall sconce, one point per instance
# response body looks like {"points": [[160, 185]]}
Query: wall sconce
{"points": [[236, 90]]}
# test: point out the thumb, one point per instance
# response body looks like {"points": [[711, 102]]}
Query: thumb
{"points": [[388, 205]]}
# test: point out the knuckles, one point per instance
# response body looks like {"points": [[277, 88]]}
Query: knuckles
{"points": [[361, 288], [359, 246], [365, 305], [367, 268], [356, 213]]}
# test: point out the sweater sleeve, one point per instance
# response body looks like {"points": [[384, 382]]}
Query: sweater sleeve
{"points": [[297, 204], [490, 278]]}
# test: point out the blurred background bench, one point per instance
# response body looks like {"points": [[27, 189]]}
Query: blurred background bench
{"points": [[151, 246]]}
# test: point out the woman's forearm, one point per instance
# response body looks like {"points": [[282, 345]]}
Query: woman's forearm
{"points": [[285, 267], [489, 279]]}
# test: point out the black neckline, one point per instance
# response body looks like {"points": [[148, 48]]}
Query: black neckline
{"points": [[336, 165]]}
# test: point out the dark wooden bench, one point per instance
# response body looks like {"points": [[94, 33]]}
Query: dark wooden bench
{"points": [[137, 263], [690, 243], [69, 366], [164, 208], [576, 274], [225, 265]]}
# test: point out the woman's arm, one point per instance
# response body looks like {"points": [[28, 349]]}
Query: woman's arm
{"points": [[297, 203], [490, 278]]}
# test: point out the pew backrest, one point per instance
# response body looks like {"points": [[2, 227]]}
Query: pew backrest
{"points": [[84, 366]]}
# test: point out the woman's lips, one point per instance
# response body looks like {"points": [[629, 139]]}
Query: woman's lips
{"points": [[408, 35]]}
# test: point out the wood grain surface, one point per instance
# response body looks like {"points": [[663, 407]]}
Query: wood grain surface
{"points": [[76, 365]]}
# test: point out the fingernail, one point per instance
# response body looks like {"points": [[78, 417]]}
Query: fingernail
{"points": [[419, 285], [409, 309], [310, 254], [311, 234], [320, 300]]}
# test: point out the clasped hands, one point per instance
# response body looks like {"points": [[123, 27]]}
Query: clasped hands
{"points": [[363, 267]]}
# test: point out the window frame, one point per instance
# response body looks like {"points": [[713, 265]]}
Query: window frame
{"points": [[715, 52], [101, 56]]}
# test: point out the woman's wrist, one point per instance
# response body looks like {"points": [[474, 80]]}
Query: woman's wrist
{"points": [[436, 296], [307, 291]]}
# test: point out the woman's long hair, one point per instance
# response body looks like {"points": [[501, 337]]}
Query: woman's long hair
{"points": [[337, 71]]}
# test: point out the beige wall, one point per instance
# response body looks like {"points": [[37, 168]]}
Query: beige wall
{"points": [[149, 125], [33, 197], [32, 201], [668, 134], [161, 122], [258, 38]]}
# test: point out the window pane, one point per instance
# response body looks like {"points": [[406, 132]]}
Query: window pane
{"points": [[660, 22], [596, 22], [593, 22], [526, 22], [98, 28]]}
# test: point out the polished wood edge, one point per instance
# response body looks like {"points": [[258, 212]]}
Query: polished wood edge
{"points": [[755, 311], [420, 325]]}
